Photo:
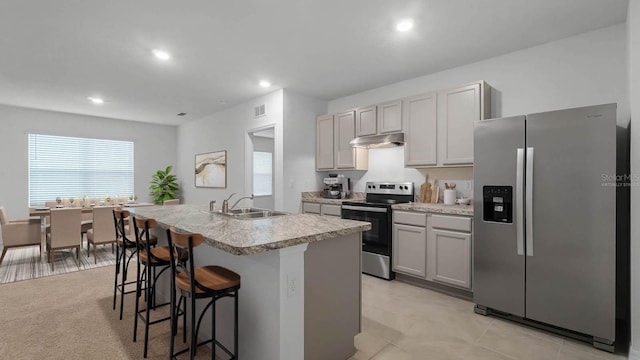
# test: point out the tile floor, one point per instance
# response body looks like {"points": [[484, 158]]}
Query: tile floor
{"points": [[404, 322]]}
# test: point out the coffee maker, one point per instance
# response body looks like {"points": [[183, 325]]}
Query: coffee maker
{"points": [[336, 187]]}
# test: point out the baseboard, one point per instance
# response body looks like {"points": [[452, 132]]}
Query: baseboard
{"points": [[634, 354]]}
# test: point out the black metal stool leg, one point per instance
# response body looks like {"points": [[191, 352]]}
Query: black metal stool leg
{"points": [[135, 317], [115, 281], [213, 329], [235, 329], [194, 339]]}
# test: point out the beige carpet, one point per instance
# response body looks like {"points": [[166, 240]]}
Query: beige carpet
{"points": [[70, 316], [25, 262]]}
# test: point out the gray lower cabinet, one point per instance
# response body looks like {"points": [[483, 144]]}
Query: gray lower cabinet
{"points": [[321, 209], [409, 243], [433, 247], [410, 249], [449, 250]]}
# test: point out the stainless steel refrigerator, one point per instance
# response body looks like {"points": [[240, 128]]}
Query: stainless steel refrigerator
{"points": [[545, 220]]}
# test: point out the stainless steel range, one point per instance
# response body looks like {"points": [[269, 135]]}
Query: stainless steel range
{"points": [[376, 243]]}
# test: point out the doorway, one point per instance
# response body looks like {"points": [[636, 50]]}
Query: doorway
{"points": [[261, 178]]}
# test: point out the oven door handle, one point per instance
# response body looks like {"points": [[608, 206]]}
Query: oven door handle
{"points": [[364, 208]]}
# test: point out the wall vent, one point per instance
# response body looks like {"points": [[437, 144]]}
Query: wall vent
{"points": [[259, 110]]}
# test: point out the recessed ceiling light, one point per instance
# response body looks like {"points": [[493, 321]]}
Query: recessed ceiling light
{"points": [[265, 83], [404, 25], [161, 54], [96, 100]]}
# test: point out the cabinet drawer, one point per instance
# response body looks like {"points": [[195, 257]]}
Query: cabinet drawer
{"points": [[333, 210], [451, 222], [410, 218], [312, 208]]}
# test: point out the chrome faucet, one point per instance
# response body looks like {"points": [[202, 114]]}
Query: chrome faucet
{"points": [[225, 204], [212, 205], [246, 197]]}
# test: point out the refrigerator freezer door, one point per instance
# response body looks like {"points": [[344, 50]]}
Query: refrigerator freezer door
{"points": [[498, 269], [571, 275]]}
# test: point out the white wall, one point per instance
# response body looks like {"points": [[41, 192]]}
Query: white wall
{"points": [[155, 148], [228, 130], [633, 23], [300, 174], [586, 69]]}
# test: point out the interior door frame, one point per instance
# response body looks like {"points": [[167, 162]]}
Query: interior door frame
{"points": [[248, 161]]}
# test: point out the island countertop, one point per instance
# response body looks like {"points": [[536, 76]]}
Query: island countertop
{"points": [[245, 237]]}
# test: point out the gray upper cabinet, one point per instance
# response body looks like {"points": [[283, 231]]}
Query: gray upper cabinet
{"points": [[460, 107], [333, 151], [419, 118], [390, 117], [366, 121], [439, 127], [324, 143], [345, 124]]}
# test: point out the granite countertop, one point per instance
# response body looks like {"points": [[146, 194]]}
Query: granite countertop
{"points": [[245, 237], [466, 210], [316, 197]]}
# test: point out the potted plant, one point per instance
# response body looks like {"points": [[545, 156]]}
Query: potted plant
{"points": [[164, 186]]}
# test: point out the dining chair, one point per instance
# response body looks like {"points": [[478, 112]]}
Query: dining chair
{"points": [[64, 232], [86, 223], [17, 233], [101, 232]]}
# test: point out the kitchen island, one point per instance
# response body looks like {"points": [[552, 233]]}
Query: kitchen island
{"points": [[300, 295]]}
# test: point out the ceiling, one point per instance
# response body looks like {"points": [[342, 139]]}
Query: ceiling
{"points": [[55, 54]]}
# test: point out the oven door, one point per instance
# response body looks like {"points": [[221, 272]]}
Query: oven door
{"points": [[378, 239]]}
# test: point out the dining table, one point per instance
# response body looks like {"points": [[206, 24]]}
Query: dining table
{"points": [[43, 212]]}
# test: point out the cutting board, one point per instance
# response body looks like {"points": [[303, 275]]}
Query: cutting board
{"points": [[435, 193], [425, 191]]}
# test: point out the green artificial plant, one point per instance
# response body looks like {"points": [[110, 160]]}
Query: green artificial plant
{"points": [[164, 186]]}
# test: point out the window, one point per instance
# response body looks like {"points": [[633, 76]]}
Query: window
{"points": [[66, 167], [262, 173]]}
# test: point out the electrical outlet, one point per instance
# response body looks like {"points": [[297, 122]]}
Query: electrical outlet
{"points": [[293, 282]]}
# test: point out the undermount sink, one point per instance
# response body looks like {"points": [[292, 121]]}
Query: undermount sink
{"points": [[252, 213], [258, 215]]}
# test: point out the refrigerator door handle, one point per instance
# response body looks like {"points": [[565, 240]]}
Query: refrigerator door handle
{"points": [[520, 202], [529, 201]]}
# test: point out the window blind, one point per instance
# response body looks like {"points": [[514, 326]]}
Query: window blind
{"points": [[262, 173], [66, 167]]}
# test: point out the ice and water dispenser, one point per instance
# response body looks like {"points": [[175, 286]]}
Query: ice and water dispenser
{"points": [[497, 204]]}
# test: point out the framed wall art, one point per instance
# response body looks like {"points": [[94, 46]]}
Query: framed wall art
{"points": [[211, 169]]}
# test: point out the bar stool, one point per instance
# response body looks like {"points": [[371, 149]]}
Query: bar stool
{"points": [[151, 259], [122, 260], [214, 282]]}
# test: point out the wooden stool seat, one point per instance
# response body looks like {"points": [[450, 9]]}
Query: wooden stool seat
{"points": [[209, 279]]}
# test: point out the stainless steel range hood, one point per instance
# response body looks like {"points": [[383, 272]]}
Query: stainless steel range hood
{"points": [[378, 141]]}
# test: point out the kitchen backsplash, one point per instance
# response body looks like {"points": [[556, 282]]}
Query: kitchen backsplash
{"points": [[388, 165], [464, 188]]}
